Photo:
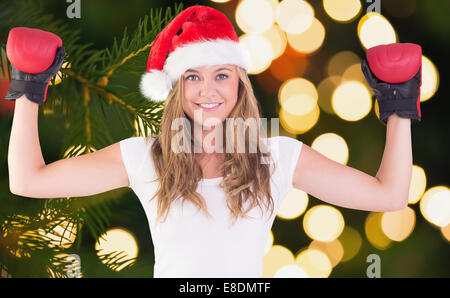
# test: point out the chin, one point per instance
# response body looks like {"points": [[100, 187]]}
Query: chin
{"points": [[211, 123]]}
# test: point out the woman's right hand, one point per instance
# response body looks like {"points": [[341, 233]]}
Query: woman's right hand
{"points": [[35, 56]]}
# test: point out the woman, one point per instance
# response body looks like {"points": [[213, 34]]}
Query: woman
{"points": [[209, 211]]}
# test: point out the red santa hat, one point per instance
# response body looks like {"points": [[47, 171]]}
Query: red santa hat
{"points": [[198, 36]]}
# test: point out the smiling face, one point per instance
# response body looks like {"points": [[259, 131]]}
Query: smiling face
{"points": [[211, 91]]}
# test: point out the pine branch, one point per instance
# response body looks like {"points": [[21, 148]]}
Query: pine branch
{"points": [[122, 56], [88, 89], [82, 77]]}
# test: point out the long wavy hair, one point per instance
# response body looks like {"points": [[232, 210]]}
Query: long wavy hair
{"points": [[246, 179]]}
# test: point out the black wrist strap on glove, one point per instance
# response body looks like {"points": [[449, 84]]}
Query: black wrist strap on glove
{"points": [[401, 99], [407, 104], [27, 87], [34, 85]]}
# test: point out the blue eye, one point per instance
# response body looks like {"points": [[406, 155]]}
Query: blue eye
{"points": [[187, 78]]}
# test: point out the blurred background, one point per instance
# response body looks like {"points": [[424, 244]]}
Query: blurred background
{"points": [[305, 71]]}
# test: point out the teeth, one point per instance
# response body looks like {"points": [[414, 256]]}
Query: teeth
{"points": [[208, 106]]}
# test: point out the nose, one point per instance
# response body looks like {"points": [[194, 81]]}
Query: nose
{"points": [[207, 89], [204, 88]]}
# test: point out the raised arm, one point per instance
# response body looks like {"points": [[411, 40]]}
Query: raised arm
{"points": [[36, 56], [83, 175], [394, 73], [345, 186]]}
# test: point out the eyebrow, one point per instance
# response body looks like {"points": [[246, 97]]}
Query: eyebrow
{"points": [[222, 68]]}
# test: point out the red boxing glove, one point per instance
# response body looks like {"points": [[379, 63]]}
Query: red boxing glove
{"points": [[35, 56], [394, 73]]}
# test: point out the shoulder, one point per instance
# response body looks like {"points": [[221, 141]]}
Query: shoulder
{"points": [[285, 150], [135, 153], [135, 147], [283, 143], [138, 141], [149, 140]]}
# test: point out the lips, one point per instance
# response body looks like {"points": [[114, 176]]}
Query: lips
{"points": [[207, 103], [212, 108]]}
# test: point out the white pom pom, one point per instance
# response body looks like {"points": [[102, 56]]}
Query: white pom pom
{"points": [[155, 85]]}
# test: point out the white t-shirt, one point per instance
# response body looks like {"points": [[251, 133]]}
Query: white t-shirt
{"points": [[188, 243]]}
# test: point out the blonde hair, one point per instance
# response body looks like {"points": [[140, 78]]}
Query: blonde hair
{"points": [[245, 177]]}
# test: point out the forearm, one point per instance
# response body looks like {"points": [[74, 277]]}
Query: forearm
{"points": [[395, 170], [24, 152]]}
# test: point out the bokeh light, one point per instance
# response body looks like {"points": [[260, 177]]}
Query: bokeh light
{"points": [[298, 96], [351, 101], [354, 73], [70, 263], [290, 271], [374, 29], [299, 110], [446, 232], [273, 4], [332, 146], [333, 249], [116, 244], [341, 61], [294, 16], [398, 225], [299, 124], [418, 184], [351, 242], [314, 262], [277, 257], [430, 79], [277, 39], [374, 233], [310, 40], [376, 109], [269, 242], [325, 90], [294, 204], [342, 11], [323, 223], [62, 235], [254, 16], [260, 50], [435, 206]]}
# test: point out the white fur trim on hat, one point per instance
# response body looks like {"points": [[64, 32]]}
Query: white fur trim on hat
{"points": [[205, 53], [155, 85]]}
